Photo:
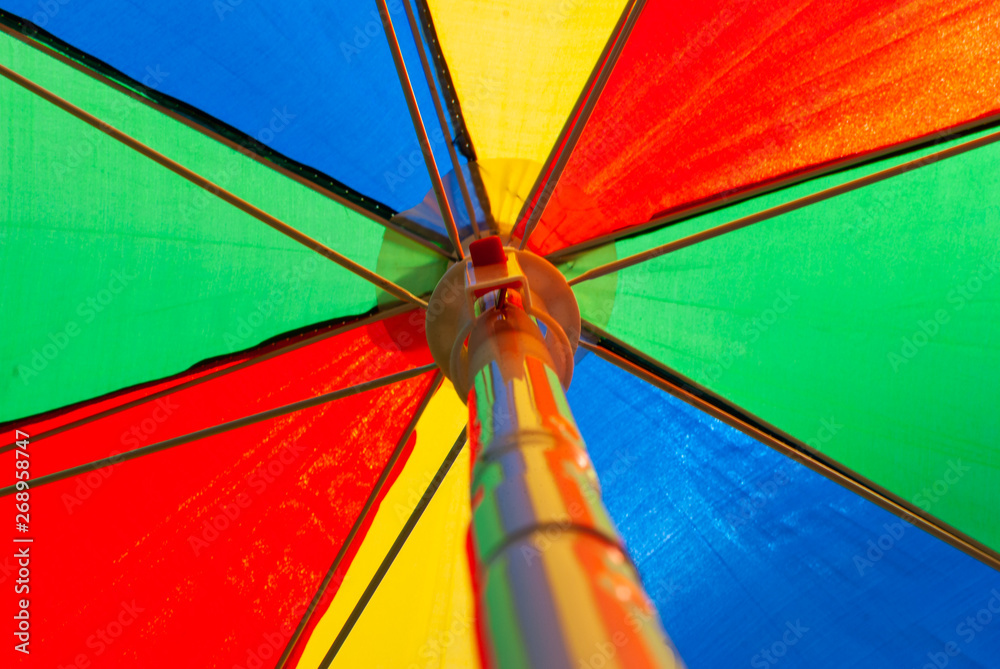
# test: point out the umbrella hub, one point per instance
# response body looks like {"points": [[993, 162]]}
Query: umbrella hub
{"points": [[466, 299]]}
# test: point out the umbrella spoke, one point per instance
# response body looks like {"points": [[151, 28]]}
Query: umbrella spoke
{"points": [[376, 211], [397, 546], [569, 135], [227, 427], [728, 198], [652, 371], [359, 523], [281, 350], [418, 126], [221, 193], [442, 119], [785, 208]]}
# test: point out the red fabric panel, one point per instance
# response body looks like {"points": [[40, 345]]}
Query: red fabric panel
{"points": [[360, 354], [711, 98], [51, 420], [58, 418], [324, 602], [282, 495]]}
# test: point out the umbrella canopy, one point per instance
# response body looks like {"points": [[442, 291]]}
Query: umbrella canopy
{"points": [[780, 220]]}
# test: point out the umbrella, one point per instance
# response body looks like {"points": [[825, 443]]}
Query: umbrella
{"points": [[780, 223]]}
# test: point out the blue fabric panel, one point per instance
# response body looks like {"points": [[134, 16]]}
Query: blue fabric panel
{"points": [[756, 561], [313, 80]]}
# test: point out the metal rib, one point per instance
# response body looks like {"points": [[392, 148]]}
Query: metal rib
{"points": [[570, 134], [442, 118], [221, 193], [421, 130], [397, 546], [728, 198], [631, 360], [376, 214], [226, 427], [281, 350], [785, 208]]}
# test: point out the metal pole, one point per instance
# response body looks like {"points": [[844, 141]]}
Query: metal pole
{"points": [[555, 588]]}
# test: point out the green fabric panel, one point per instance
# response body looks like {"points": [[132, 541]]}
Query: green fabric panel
{"points": [[117, 271], [866, 326]]}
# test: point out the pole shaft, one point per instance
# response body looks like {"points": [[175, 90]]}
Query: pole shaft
{"points": [[555, 588]]}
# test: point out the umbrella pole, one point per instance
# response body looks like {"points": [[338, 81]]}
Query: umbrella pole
{"points": [[554, 585]]}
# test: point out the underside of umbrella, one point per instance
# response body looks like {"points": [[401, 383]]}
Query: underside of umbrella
{"points": [[221, 229]]}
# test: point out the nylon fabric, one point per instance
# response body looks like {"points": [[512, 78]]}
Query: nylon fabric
{"points": [[315, 82], [243, 525], [65, 417], [317, 364], [712, 99], [755, 560], [426, 594], [519, 67], [503, 184], [119, 272], [873, 312]]}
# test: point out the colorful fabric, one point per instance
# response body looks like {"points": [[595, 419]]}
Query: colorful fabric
{"points": [[860, 328]]}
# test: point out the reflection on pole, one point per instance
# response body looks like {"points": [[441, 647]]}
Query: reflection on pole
{"points": [[555, 587]]}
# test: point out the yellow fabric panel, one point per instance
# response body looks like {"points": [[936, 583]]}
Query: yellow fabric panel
{"points": [[519, 66], [422, 613], [508, 183]]}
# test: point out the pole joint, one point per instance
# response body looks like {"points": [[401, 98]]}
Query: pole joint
{"points": [[470, 291]]}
